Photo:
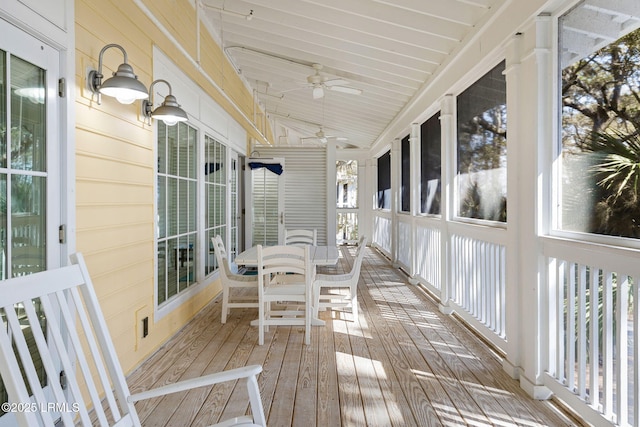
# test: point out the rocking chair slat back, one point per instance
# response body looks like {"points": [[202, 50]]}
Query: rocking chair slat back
{"points": [[53, 319]]}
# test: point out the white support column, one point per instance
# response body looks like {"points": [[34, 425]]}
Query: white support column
{"points": [[529, 129], [370, 200], [396, 168], [331, 193], [414, 157], [516, 195], [364, 201], [536, 155], [448, 170], [545, 197]]}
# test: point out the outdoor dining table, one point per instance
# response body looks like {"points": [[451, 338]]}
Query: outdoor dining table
{"points": [[320, 255]]}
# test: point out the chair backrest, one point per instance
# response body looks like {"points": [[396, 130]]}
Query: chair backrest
{"points": [[63, 303], [301, 237], [357, 264], [273, 260], [221, 256]]}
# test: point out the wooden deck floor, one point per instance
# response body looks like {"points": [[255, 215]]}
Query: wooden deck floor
{"points": [[402, 364]]}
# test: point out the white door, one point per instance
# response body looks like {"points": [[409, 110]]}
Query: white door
{"points": [[266, 203], [29, 159]]}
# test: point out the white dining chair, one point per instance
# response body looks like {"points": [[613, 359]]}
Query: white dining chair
{"points": [[231, 281], [301, 237], [75, 350], [348, 281], [285, 276]]}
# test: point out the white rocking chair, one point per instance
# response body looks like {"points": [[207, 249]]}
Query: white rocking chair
{"points": [[76, 335]]}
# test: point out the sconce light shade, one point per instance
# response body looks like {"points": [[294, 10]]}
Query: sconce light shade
{"points": [[124, 85], [169, 111]]}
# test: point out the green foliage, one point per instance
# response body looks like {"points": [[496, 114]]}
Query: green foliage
{"points": [[617, 171], [601, 119]]}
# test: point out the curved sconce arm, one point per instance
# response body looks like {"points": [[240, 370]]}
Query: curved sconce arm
{"points": [[169, 111], [123, 85]]}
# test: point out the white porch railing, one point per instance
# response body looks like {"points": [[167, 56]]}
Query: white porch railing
{"points": [[476, 262], [382, 232], [429, 256], [594, 349], [590, 323], [478, 282], [404, 249]]}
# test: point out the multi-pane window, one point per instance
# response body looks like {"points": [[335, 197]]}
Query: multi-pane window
{"points": [[384, 181], [215, 183], [177, 209], [482, 148], [600, 125], [430, 178], [405, 175]]}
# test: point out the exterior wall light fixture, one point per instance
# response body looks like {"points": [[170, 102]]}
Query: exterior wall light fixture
{"points": [[124, 85], [169, 111]]}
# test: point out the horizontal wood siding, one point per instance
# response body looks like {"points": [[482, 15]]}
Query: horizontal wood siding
{"points": [[116, 160]]}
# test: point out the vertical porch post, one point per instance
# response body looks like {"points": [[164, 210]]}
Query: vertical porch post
{"points": [[414, 145], [518, 203], [331, 193], [447, 168], [542, 151], [371, 202], [365, 208], [396, 168], [530, 85]]}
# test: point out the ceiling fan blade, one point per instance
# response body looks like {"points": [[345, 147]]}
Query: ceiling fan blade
{"points": [[337, 138], [335, 82], [346, 89]]}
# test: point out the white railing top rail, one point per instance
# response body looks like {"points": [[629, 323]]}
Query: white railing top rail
{"points": [[615, 258]]}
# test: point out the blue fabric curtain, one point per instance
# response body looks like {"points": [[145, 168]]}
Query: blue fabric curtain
{"points": [[273, 167]]}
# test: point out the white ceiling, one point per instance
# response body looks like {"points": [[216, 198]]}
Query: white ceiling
{"points": [[387, 49]]}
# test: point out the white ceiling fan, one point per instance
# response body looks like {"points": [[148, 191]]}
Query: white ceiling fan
{"points": [[319, 83], [322, 137]]}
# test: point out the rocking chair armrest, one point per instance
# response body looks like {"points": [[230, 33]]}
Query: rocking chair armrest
{"points": [[206, 380]]}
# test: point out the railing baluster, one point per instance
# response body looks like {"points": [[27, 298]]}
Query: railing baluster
{"points": [[636, 349], [571, 325], [594, 359], [582, 330], [607, 342], [622, 379], [560, 289]]}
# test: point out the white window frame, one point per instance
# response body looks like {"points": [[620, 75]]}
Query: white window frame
{"points": [[210, 119], [555, 168]]}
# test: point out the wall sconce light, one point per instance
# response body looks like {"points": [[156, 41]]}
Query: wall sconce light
{"points": [[124, 85], [169, 111]]}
